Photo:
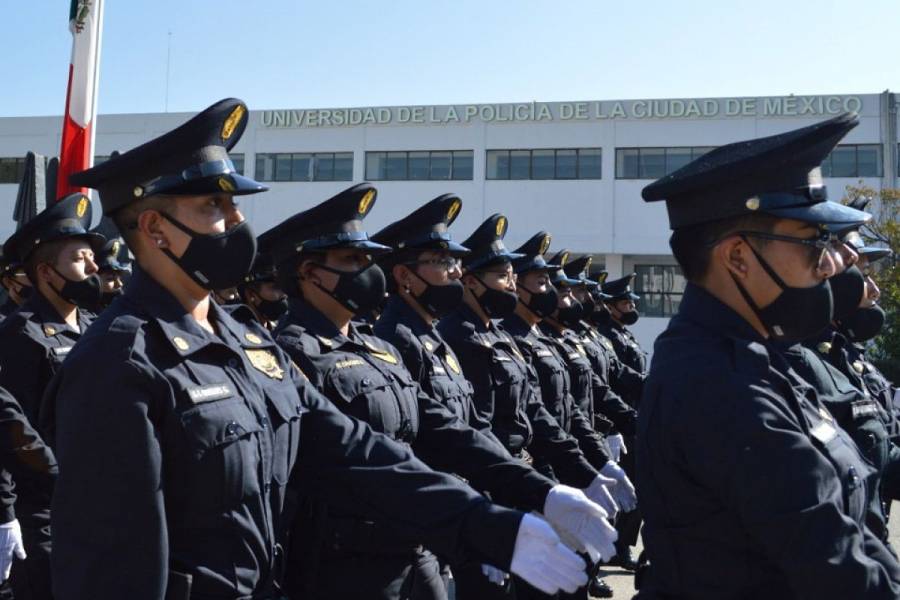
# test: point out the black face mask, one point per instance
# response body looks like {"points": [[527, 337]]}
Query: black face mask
{"points": [[601, 315], [629, 318], [797, 313], [496, 304], [272, 309], [570, 315], [542, 304], [84, 294], [847, 289], [358, 291], [864, 324], [216, 261], [438, 300], [588, 306]]}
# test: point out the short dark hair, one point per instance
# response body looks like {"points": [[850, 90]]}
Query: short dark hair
{"points": [[692, 246], [126, 217], [286, 272], [46, 252]]}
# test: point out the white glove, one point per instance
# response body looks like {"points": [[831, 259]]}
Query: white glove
{"points": [[617, 446], [541, 559], [10, 543], [599, 492], [580, 523], [495, 575], [623, 491]]}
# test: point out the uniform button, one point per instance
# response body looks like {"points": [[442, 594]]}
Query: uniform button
{"points": [[299, 409], [268, 487], [265, 422], [232, 428], [366, 381], [233, 363]]}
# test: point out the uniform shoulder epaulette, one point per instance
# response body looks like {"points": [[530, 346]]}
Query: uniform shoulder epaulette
{"points": [[750, 357]]}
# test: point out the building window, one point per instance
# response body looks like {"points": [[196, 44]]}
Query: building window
{"points": [[419, 165], [238, 160], [653, 163], [660, 288], [302, 166], [544, 163], [12, 169], [853, 160]]}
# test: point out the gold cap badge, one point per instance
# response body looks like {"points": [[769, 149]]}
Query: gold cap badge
{"points": [[365, 203], [82, 207], [232, 121]]}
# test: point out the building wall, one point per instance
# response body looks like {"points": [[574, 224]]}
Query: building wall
{"points": [[605, 216]]}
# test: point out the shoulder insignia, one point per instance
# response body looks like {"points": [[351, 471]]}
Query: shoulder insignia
{"points": [[265, 361], [325, 341], [451, 362], [380, 353], [180, 343], [49, 330], [253, 338], [824, 347], [428, 345], [858, 366]]}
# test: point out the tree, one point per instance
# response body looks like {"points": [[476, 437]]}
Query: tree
{"points": [[884, 230]]}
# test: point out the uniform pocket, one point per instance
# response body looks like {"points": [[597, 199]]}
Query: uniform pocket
{"points": [[223, 435], [287, 412]]}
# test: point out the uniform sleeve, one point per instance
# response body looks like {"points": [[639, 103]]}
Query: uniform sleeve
{"points": [[477, 369], [109, 523], [625, 381], [24, 371], [25, 455], [556, 446], [588, 440], [447, 444], [792, 509], [610, 405], [343, 458]]}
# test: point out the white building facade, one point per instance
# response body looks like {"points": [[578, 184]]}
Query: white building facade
{"points": [[574, 169]]}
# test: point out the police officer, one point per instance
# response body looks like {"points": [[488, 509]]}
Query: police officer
{"points": [[175, 457], [16, 284], [330, 275], [424, 272], [57, 251], [748, 487], [260, 292], [111, 271], [610, 373]]}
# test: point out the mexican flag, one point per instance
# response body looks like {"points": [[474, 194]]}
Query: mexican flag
{"points": [[76, 152]]}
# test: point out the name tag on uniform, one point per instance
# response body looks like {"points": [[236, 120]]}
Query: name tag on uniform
{"points": [[439, 370], [543, 353], [208, 393], [350, 362], [864, 408], [824, 432], [573, 355], [504, 359], [62, 351]]}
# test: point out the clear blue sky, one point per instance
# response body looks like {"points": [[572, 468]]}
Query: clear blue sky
{"points": [[297, 54]]}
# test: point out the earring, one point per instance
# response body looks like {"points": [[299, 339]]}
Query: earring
{"points": [[159, 242]]}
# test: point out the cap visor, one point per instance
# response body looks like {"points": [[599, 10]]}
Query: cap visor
{"points": [[833, 216], [231, 183], [873, 253], [367, 245]]}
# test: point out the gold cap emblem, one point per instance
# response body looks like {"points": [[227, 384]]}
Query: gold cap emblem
{"points": [[545, 244], [225, 184], [752, 204], [365, 203], [232, 121], [82, 207], [501, 226], [453, 210]]}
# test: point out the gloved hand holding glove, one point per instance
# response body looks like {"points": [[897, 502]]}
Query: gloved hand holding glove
{"points": [[623, 491], [541, 559], [617, 446], [10, 544], [580, 522]]}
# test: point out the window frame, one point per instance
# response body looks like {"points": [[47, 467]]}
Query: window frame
{"points": [[292, 159], [453, 156]]}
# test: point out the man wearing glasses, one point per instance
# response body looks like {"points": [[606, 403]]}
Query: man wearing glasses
{"points": [[748, 487]]}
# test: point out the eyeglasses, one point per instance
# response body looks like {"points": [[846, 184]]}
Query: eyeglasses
{"points": [[448, 264], [818, 246]]}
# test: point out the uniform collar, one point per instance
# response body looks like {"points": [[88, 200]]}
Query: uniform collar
{"points": [[516, 326], [707, 311], [180, 329], [311, 319], [401, 312], [51, 322]]}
